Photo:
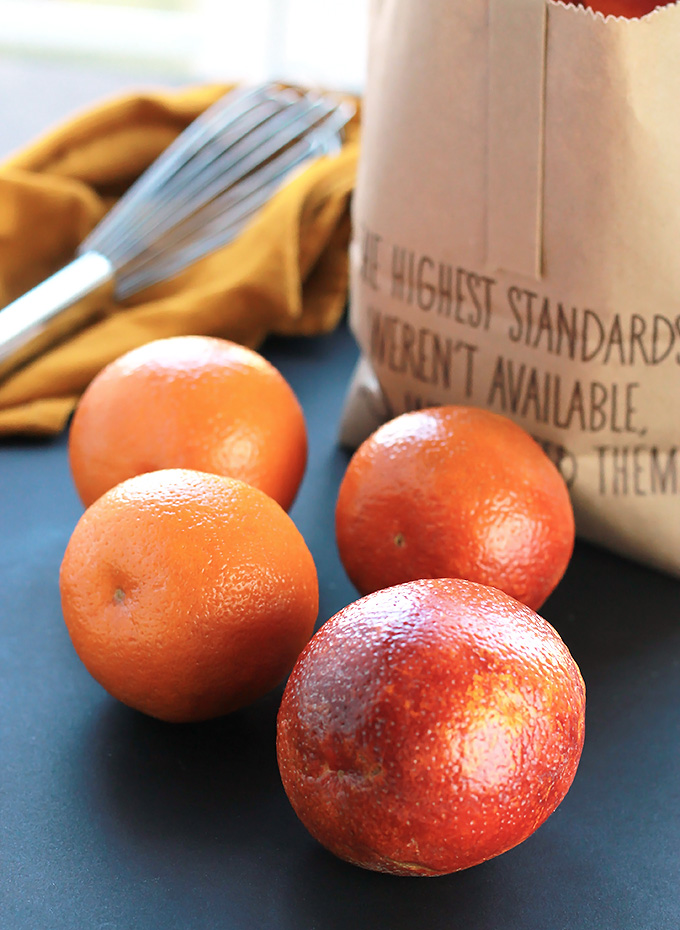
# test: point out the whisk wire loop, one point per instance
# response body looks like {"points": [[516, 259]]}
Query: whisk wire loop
{"points": [[186, 196]]}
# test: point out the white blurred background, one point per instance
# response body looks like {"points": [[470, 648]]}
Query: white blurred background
{"points": [[71, 52], [314, 41]]}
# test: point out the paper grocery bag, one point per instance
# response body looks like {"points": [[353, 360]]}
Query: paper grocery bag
{"points": [[517, 242]]}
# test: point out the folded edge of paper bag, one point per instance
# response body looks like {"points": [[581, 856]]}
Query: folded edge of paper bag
{"points": [[366, 407]]}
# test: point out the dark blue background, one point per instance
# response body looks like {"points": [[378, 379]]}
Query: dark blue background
{"points": [[112, 820]]}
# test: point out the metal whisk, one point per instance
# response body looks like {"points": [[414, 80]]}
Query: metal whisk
{"points": [[196, 197]]}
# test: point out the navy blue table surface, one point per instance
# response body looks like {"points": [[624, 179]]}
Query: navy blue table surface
{"points": [[109, 819]]}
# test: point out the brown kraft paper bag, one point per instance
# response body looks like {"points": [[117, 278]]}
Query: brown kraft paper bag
{"points": [[516, 242]]}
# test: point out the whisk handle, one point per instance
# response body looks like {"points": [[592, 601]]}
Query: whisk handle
{"points": [[53, 309]]}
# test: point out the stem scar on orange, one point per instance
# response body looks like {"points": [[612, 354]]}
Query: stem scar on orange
{"points": [[186, 594], [454, 492], [189, 402]]}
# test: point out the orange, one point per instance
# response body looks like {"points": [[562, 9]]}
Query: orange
{"points": [[187, 595], [431, 726], [629, 9], [189, 402], [454, 492]]}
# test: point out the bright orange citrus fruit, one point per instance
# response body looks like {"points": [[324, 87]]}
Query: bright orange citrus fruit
{"points": [[187, 595], [189, 402], [454, 492], [629, 9], [428, 727]]}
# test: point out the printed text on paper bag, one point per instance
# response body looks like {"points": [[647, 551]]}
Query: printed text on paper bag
{"points": [[481, 313]]}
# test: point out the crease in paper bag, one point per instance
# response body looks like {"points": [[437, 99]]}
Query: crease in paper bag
{"points": [[515, 136]]}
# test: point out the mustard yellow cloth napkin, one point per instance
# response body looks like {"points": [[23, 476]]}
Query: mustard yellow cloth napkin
{"points": [[286, 273]]}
